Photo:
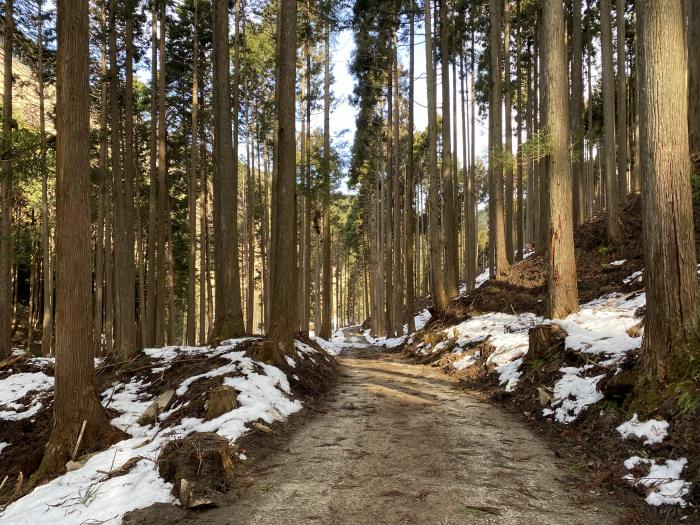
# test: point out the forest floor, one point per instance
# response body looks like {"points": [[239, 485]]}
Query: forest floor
{"points": [[395, 442]]}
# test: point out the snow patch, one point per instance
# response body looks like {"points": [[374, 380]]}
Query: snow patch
{"points": [[653, 431], [573, 393], [663, 483]]}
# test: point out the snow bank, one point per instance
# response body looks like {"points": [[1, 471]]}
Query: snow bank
{"points": [[573, 393], [653, 431], [662, 483], [506, 333], [85, 495], [16, 386]]}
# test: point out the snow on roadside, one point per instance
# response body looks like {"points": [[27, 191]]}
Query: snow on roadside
{"points": [[573, 393], [16, 386], [662, 482], [85, 495], [653, 431]]}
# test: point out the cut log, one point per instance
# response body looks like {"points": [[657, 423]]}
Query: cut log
{"points": [[545, 341], [220, 400], [205, 462], [155, 408]]}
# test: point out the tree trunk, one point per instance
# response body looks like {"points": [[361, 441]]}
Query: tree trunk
{"points": [[694, 82], [128, 284], [396, 291], [508, 158], [621, 133], [75, 396], [326, 322], [192, 189], [671, 332], [496, 206], [282, 318], [47, 318], [409, 214], [162, 201], [6, 190], [447, 169], [228, 320], [577, 112], [608, 88], [439, 294], [519, 215], [562, 292], [152, 253]]}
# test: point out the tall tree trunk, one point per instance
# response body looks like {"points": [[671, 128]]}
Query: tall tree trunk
{"points": [[129, 324], [192, 189], [117, 183], [608, 88], [98, 314], [577, 112], [436, 267], [508, 157], [472, 208], [163, 196], [562, 292], [228, 320], [388, 207], [621, 132], [520, 213], [496, 205], [282, 320], [47, 318], [397, 291], [694, 81], [409, 214], [6, 190], [672, 327], [447, 169], [75, 396], [153, 249], [326, 322]]}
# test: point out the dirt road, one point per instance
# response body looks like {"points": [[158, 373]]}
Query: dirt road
{"points": [[397, 443]]}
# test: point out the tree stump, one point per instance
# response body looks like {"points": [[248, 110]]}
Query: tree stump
{"points": [[268, 352], [200, 467], [545, 340], [220, 400]]}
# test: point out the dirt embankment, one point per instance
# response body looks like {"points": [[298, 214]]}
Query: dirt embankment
{"points": [[590, 443]]}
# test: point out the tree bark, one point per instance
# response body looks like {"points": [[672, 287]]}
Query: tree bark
{"points": [[508, 158], [47, 318], [228, 319], [694, 82], [162, 200], [621, 132], [409, 213], [577, 112], [75, 395], [520, 214], [152, 251], [192, 189], [446, 167], [326, 322], [439, 294], [6, 190], [608, 88], [562, 292], [672, 326], [282, 318], [129, 325], [496, 206]]}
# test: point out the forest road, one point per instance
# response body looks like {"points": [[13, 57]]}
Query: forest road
{"points": [[399, 443]]}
